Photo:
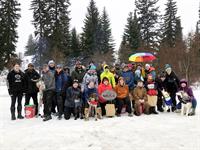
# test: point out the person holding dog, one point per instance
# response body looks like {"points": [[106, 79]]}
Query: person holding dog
{"points": [[122, 91], [185, 88]]}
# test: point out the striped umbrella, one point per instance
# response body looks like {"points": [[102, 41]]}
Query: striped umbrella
{"points": [[142, 57]]}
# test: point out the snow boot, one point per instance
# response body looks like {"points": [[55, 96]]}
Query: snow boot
{"points": [[19, 110], [160, 109], [153, 111], [130, 115], [12, 110], [47, 118], [192, 113]]}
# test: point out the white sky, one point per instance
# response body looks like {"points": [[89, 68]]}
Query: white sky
{"points": [[117, 10]]}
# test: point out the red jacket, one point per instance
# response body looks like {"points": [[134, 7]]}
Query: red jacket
{"points": [[101, 88]]}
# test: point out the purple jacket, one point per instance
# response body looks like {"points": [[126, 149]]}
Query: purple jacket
{"points": [[187, 89]]}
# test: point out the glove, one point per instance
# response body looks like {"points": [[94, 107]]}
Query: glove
{"points": [[9, 92]]}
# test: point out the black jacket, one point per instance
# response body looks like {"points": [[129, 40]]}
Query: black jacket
{"points": [[30, 78], [172, 83], [71, 95], [16, 82]]}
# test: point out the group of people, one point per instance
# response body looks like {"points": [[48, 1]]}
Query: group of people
{"points": [[138, 89]]}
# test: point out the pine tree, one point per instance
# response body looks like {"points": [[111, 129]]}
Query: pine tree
{"points": [[170, 23], [91, 30], [198, 24], [132, 32], [75, 43], [59, 25], [9, 12], [178, 31], [107, 41], [31, 46], [148, 21]]}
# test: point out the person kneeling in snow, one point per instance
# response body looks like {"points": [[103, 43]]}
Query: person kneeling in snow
{"points": [[140, 97], [122, 91], [184, 87]]}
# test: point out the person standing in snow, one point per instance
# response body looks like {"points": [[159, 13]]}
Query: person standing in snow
{"points": [[91, 75], [106, 73], [172, 84], [16, 90], [78, 72], [31, 77], [61, 83], [128, 77], [49, 92], [52, 69], [150, 70]]}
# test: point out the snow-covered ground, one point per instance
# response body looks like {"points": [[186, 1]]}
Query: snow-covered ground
{"points": [[167, 131]]}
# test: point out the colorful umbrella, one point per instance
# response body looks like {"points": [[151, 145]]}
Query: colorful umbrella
{"points": [[142, 57]]}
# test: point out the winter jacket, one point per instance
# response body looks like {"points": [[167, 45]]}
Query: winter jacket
{"points": [[72, 94], [151, 88], [129, 78], [102, 88], [139, 93], [49, 80], [88, 78], [31, 78], [161, 85], [61, 81], [122, 91], [150, 71], [52, 69], [187, 89], [109, 75], [16, 82], [172, 82], [78, 74], [88, 92]]}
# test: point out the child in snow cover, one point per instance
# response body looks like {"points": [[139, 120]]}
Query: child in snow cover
{"points": [[140, 97], [185, 87], [16, 89], [73, 101], [122, 91]]}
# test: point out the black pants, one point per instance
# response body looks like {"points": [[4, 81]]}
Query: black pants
{"points": [[48, 99], [54, 103], [16, 97], [68, 111], [35, 101], [59, 102], [160, 101], [103, 109], [125, 101], [173, 97]]}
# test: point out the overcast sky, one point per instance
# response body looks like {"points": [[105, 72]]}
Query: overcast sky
{"points": [[117, 10]]}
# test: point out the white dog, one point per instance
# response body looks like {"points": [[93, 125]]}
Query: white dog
{"points": [[186, 105], [167, 100], [41, 86]]}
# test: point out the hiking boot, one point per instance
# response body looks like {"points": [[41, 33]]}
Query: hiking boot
{"points": [[153, 111], [20, 116], [118, 115], [130, 115], [47, 118], [13, 117], [59, 117], [161, 109], [192, 113]]}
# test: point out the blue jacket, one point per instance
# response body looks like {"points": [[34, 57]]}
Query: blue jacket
{"points": [[129, 78], [61, 81], [88, 92]]}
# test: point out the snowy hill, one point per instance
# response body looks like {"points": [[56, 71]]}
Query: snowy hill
{"points": [[166, 131]]}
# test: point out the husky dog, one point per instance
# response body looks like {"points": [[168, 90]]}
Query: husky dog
{"points": [[41, 86], [167, 100], [184, 99], [93, 102]]}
